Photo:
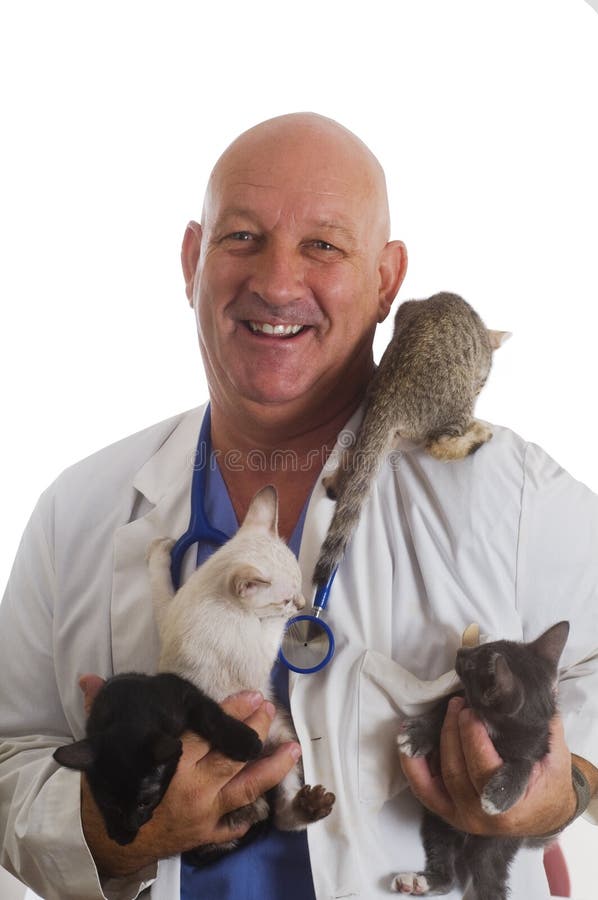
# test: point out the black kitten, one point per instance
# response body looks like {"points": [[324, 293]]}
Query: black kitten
{"points": [[133, 744], [512, 688]]}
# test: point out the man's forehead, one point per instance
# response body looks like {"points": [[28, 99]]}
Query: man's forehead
{"points": [[321, 178], [307, 169], [330, 201]]}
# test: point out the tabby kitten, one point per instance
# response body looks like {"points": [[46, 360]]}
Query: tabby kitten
{"points": [[222, 630], [511, 687], [133, 745], [424, 389]]}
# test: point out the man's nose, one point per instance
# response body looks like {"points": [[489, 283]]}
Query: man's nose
{"points": [[278, 274]]}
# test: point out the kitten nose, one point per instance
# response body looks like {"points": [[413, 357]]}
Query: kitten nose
{"points": [[463, 663], [299, 601]]}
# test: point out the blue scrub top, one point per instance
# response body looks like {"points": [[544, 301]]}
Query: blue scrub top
{"points": [[276, 863]]}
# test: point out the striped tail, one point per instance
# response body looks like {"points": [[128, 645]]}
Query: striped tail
{"points": [[364, 463]]}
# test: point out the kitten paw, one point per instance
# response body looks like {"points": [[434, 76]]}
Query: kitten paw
{"points": [[410, 883], [313, 803], [501, 793], [238, 741], [414, 737], [457, 446], [160, 547]]}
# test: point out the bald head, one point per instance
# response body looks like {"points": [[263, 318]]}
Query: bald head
{"points": [[305, 151], [294, 236]]}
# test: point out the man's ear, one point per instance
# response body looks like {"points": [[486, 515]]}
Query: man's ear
{"points": [[391, 269], [190, 256]]}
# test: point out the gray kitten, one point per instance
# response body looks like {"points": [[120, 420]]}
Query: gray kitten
{"points": [[511, 687], [424, 390]]}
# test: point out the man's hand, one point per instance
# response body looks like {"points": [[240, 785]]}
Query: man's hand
{"points": [[468, 759], [205, 787]]}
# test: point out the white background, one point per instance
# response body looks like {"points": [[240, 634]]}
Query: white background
{"points": [[482, 113]]}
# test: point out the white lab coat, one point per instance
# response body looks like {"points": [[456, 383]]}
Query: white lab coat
{"points": [[504, 538]]}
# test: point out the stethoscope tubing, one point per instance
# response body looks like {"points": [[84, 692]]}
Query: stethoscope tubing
{"points": [[200, 529]]}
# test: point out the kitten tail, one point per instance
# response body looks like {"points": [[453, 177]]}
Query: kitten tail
{"points": [[360, 465]]}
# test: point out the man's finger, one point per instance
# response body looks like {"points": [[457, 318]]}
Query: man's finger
{"points": [[250, 708], [217, 767], [258, 777], [479, 752], [427, 787], [452, 759], [260, 718], [243, 704]]}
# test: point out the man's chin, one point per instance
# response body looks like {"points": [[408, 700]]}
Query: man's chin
{"points": [[273, 399], [271, 389]]}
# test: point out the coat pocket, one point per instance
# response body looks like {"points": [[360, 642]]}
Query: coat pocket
{"points": [[387, 692]]}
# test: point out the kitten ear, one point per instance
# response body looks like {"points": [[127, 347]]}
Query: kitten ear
{"points": [[247, 580], [165, 747], [80, 755], [551, 644], [506, 696], [497, 338], [263, 511]]}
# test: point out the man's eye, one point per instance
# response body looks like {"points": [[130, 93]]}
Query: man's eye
{"points": [[240, 236], [324, 245]]}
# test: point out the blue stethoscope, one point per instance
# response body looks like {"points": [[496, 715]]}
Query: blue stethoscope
{"points": [[308, 642]]}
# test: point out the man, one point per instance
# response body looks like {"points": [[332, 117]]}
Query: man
{"points": [[288, 274]]}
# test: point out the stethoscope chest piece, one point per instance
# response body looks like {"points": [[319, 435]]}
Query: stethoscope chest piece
{"points": [[308, 642]]}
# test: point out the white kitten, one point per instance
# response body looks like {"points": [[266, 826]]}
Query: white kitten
{"points": [[222, 630]]}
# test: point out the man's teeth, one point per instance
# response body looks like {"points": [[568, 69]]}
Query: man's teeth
{"points": [[266, 328]]}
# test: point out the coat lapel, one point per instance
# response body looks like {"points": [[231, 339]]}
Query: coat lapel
{"points": [[161, 492], [334, 864]]}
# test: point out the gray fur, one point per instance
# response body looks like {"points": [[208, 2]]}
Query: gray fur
{"points": [[511, 687], [424, 390]]}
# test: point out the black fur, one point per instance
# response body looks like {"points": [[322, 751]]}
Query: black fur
{"points": [[133, 744]]}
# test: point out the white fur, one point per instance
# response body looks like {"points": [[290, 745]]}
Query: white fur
{"points": [[223, 642], [488, 806], [409, 883], [223, 627], [405, 745]]}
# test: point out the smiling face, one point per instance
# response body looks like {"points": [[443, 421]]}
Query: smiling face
{"points": [[291, 271]]}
